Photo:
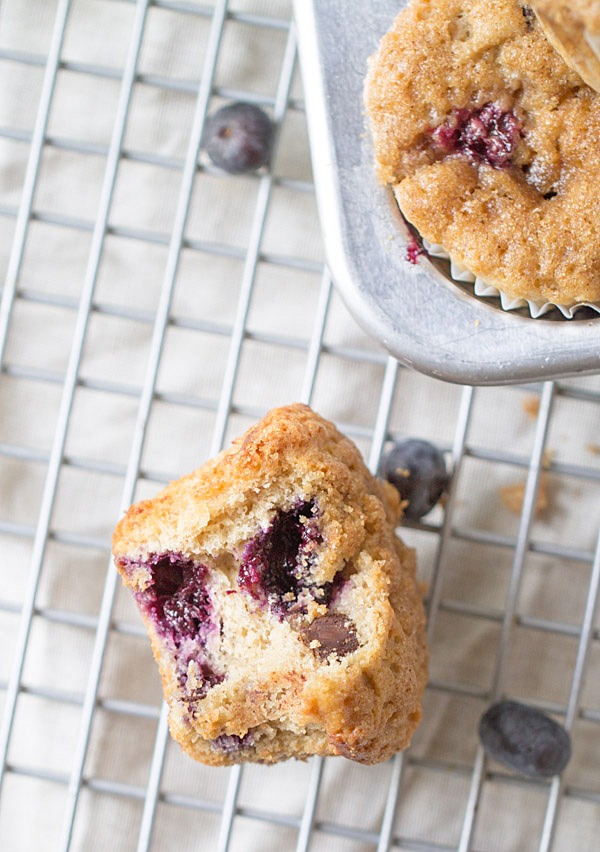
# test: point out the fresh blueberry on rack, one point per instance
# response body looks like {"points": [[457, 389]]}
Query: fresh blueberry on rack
{"points": [[525, 739], [418, 470], [238, 138]]}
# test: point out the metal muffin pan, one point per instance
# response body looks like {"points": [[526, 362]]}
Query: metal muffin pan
{"points": [[417, 312]]}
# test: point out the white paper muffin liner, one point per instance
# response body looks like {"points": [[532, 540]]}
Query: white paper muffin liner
{"points": [[509, 303]]}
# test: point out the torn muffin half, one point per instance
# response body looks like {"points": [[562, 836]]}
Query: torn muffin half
{"points": [[282, 609]]}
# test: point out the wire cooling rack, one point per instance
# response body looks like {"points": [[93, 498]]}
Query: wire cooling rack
{"points": [[510, 562]]}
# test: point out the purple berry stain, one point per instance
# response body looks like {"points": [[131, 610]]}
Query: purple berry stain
{"points": [[232, 743], [275, 563], [178, 601], [486, 135], [413, 251]]}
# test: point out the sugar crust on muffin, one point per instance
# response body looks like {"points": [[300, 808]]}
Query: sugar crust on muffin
{"points": [[490, 142], [282, 609], [573, 28]]}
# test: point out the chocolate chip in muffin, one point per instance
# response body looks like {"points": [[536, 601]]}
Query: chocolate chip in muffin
{"points": [[329, 634], [239, 138]]}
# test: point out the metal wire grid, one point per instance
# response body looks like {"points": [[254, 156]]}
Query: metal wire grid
{"points": [[459, 778]]}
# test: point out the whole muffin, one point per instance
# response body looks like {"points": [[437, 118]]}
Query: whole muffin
{"points": [[281, 607], [490, 142]]}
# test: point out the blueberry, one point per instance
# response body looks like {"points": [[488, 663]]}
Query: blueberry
{"points": [[232, 743], [177, 599], [525, 739], [205, 677], [418, 470], [187, 612], [168, 576], [486, 135], [276, 562], [238, 138]]}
